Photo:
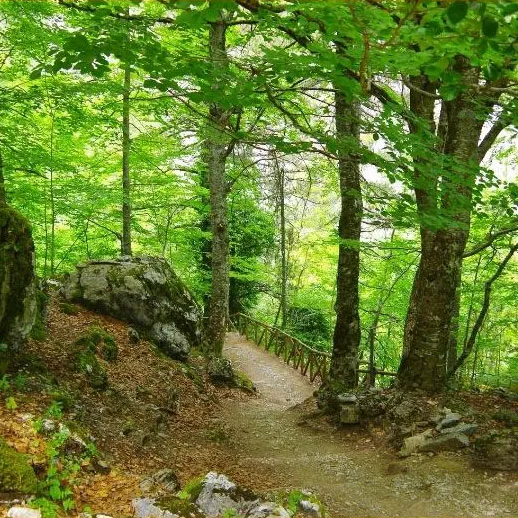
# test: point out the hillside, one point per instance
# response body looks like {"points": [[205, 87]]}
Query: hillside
{"points": [[155, 413]]}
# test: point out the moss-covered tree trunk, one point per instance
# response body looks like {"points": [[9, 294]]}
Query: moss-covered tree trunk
{"points": [[17, 280]]}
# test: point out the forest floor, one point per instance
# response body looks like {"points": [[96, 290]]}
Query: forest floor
{"points": [[264, 441]]}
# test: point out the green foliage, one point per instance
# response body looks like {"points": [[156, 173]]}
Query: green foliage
{"points": [[191, 490]]}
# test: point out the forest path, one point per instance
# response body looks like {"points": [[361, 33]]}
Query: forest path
{"points": [[352, 475]]}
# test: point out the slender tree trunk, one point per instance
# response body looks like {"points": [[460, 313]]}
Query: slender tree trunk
{"points": [[52, 200], [284, 262], [346, 337], [3, 196], [126, 178], [217, 154]]}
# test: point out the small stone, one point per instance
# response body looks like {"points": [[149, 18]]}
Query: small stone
{"points": [[48, 425], [346, 399], [449, 421], [220, 370], [133, 335], [350, 414], [309, 509], [23, 512], [102, 467]]}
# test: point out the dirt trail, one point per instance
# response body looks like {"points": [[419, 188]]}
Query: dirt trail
{"points": [[352, 475]]}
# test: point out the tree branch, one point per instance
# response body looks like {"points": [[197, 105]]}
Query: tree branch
{"points": [[483, 312], [492, 238]]}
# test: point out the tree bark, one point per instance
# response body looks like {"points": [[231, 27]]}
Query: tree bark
{"points": [[284, 262], [444, 224], [126, 177], [3, 196], [346, 338], [217, 154]]}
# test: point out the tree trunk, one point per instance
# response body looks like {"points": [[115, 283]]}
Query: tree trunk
{"points": [[445, 226], [126, 178], [217, 154], [284, 262], [3, 196], [346, 338]]}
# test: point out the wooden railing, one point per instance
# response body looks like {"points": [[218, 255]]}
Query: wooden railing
{"points": [[310, 362], [300, 356]]}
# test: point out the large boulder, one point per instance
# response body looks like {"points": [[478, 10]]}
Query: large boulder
{"points": [[146, 293], [18, 305]]}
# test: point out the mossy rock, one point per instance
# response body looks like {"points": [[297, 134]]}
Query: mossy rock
{"points": [[243, 382], [18, 301], [88, 364], [16, 475]]}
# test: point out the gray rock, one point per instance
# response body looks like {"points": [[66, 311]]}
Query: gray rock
{"points": [[414, 443], [347, 399], [350, 413], [147, 508], [267, 510], [146, 293], [446, 442], [218, 494], [449, 421], [220, 370], [309, 509], [23, 512], [162, 482], [464, 428]]}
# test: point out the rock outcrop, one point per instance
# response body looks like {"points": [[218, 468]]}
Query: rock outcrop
{"points": [[146, 293]]}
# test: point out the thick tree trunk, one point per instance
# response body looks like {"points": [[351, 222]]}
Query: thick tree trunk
{"points": [[433, 300], [126, 178], [217, 153], [444, 232], [346, 338]]}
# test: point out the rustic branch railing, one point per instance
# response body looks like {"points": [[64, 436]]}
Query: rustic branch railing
{"points": [[300, 356]]}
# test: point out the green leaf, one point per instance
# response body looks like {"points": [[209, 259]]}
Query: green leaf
{"points": [[457, 11], [36, 73], [489, 26], [492, 72], [449, 92]]}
